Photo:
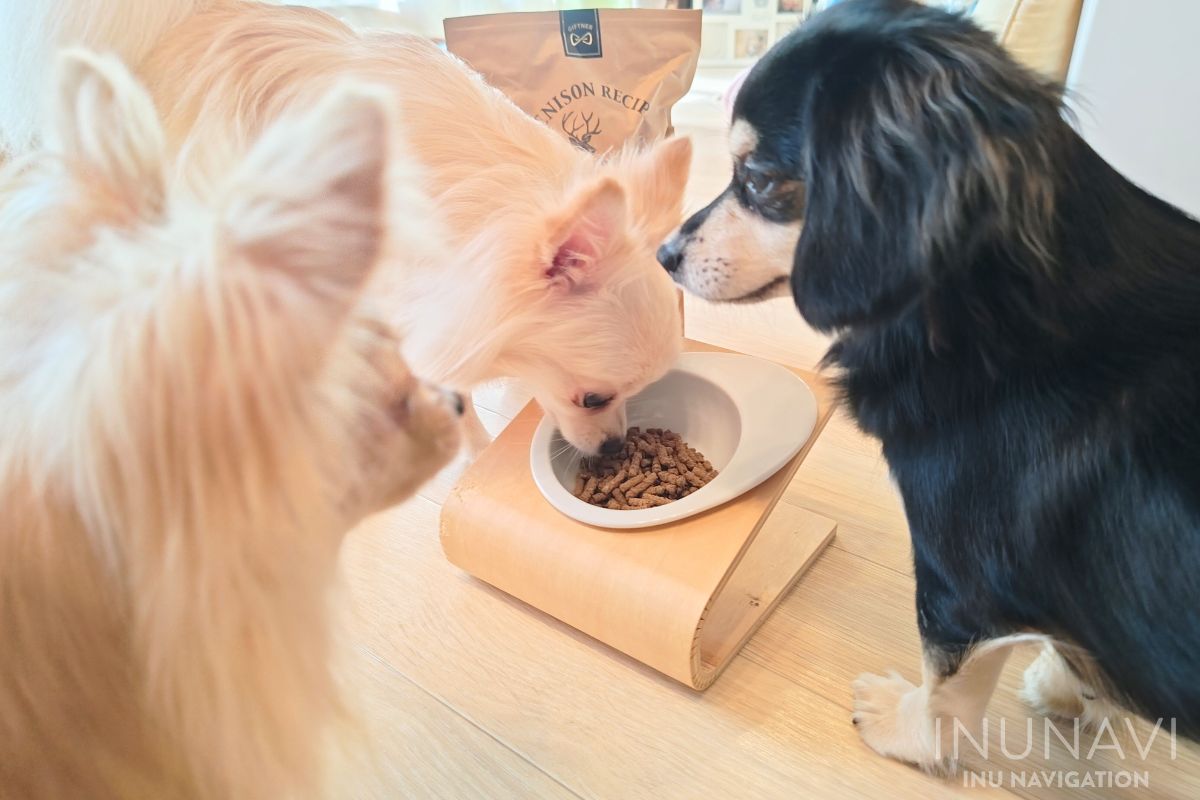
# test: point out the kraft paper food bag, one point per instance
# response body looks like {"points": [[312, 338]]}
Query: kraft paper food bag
{"points": [[602, 77]]}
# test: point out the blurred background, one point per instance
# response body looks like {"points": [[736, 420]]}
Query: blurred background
{"points": [[1130, 67], [736, 32]]}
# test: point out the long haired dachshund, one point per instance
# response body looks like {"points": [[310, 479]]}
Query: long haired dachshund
{"points": [[1017, 322]]}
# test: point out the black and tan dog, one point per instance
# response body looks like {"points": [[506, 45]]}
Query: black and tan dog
{"points": [[1020, 326]]}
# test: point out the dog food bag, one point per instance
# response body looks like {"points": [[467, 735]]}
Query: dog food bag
{"points": [[603, 77]]}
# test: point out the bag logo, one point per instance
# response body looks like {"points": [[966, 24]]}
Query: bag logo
{"points": [[581, 129], [580, 33]]}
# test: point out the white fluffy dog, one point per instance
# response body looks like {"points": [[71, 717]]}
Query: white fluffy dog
{"points": [[193, 409], [552, 277]]}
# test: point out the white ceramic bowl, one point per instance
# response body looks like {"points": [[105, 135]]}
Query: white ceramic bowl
{"points": [[746, 415]]}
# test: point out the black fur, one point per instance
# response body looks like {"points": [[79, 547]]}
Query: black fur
{"points": [[1020, 326]]}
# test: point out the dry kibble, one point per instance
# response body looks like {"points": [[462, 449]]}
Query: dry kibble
{"points": [[589, 488], [612, 482], [655, 467], [629, 484]]}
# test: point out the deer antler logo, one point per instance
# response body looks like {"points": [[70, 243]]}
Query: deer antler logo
{"points": [[581, 129]]}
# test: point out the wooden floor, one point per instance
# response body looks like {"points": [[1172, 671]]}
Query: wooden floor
{"points": [[468, 693]]}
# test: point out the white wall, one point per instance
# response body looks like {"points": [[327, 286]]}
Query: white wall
{"points": [[1136, 74]]}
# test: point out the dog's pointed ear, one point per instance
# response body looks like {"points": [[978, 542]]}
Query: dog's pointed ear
{"points": [[307, 209], [106, 127], [658, 178], [592, 224]]}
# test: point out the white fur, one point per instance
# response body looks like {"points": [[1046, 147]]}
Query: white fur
{"points": [[1053, 689], [736, 255], [743, 138], [512, 196], [900, 720], [194, 409], [195, 401], [916, 724]]}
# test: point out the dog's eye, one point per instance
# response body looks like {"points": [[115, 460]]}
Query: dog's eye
{"points": [[774, 195], [760, 184], [593, 400]]}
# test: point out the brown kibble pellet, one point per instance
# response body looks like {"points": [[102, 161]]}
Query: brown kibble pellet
{"points": [[612, 482], [640, 489], [665, 457], [655, 467], [648, 502]]}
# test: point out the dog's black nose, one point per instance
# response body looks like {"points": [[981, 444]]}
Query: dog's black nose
{"points": [[456, 402], [611, 446], [670, 254]]}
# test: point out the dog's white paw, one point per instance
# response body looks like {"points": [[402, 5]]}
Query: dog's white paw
{"points": [[1053, 690], [893, 719]]}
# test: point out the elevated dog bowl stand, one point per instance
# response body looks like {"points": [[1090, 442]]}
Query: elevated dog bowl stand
{"points": [[681, 597]]}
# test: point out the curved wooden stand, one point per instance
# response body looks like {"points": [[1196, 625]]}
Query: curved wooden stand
{"points": [[682, 598]]}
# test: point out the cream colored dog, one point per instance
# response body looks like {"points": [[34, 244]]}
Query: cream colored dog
{"points": [[552, 277], [193, 409]]}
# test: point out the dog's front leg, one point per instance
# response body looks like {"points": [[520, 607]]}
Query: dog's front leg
{"points": [[919, 724]]}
